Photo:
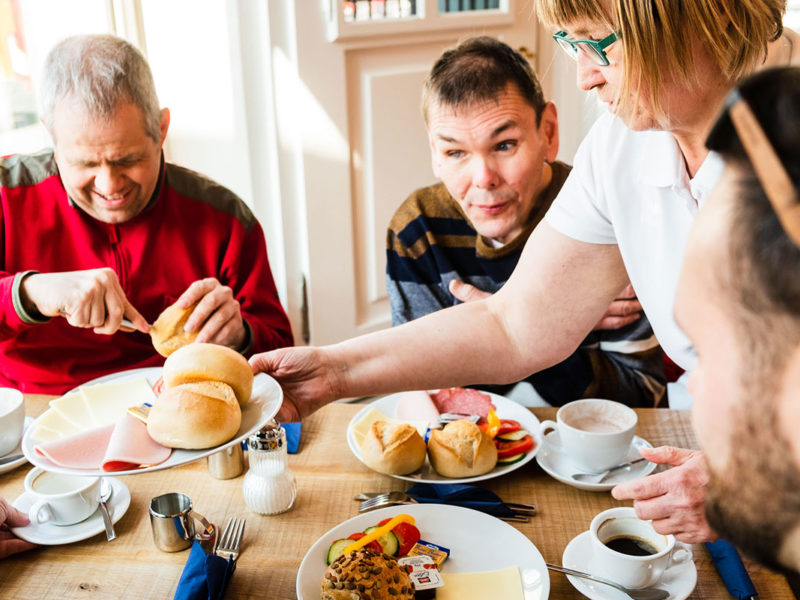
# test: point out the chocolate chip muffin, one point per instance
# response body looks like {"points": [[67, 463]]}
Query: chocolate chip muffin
{"points": [[366, 575]]}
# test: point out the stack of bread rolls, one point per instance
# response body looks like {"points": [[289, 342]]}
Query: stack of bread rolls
{"points": [[205, 386], [461, 449]]}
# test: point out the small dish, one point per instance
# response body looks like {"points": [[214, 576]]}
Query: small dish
{"points": [[9, 466], [679, 581], [48, 534], [558, 465]]}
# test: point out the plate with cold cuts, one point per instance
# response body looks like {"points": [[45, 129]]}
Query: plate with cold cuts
{"points": [[387, 407], [480, 546], [107, 396]]}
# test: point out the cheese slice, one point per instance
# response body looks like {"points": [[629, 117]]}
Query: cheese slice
{"points": [[41, 433], [53, 421], [73, 408], [108, 402], [504, 583]]}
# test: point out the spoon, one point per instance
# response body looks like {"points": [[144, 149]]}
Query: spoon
{"points": [[105, 494], [640, 594], [599, 477]]}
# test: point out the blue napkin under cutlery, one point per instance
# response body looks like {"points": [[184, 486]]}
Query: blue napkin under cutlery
{"points": [[467, 496], [731, 570], [205, 576]]}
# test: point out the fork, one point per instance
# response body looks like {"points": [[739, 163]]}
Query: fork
{"points": [[387, 499], [231, 539]]}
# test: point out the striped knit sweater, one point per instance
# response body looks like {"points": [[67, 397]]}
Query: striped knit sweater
{"points": [[430, 242]]}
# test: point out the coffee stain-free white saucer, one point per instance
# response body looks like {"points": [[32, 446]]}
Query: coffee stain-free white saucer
{"points": [[559, 466], [18, 450], [48, 534], [679, 580]]}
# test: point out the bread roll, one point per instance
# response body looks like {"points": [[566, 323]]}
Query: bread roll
{"points": [[394, 449], [167, 332], [195, 415], [210, 362], [366, 575], [461, 449]]}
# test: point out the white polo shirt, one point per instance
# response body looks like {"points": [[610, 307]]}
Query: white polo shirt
{"points": [[631, 188]]}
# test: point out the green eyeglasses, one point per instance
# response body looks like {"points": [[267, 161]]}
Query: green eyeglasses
{"points": [[596, 51]]}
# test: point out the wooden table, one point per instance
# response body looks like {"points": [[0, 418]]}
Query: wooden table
{"points": [[328, 475]]}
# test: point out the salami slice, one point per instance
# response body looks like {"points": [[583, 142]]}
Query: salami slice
{"points": [[463, 400]]}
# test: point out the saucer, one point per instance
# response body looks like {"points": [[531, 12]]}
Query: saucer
{"points": [[679, 580], [48, 534], [18, 450], [558, 465]]}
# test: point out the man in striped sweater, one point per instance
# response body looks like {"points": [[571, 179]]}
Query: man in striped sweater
{"points": [[493, 142]]}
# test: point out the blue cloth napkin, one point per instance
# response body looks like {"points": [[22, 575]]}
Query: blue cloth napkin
{"points": [[468, 496], [205, 576], [731, 570], [292, 436]]}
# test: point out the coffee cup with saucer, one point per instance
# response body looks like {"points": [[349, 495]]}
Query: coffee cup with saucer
{"points": [[583, 554], [12, 419], [49, 533]]}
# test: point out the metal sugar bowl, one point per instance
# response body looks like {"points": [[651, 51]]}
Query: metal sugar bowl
{"points": [[269, 487]]}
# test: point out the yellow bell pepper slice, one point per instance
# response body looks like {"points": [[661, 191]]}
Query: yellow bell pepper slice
{"points": [[376, 533]]}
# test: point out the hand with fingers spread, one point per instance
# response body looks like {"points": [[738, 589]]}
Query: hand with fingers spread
{"points": [[217, 317], [672, 499], [11, 517], [88, 299], [623, 310]]}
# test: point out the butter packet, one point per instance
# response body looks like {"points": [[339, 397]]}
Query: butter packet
{"points": [[422, 571], [438, 554]]}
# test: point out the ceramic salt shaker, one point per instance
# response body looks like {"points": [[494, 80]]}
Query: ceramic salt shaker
{"points": [[269, 486]]}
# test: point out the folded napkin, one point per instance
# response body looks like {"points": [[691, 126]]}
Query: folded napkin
{"points": [[205, 576], [292, 436], [467, 496], [731, 570]]}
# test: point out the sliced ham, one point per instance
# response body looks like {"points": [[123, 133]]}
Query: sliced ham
{"points": [[131, 446], [415, 406], [119, 447], [464, 401], [84, 450]]}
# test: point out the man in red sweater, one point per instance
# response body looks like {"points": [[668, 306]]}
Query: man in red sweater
{"points": [[102, 228]]}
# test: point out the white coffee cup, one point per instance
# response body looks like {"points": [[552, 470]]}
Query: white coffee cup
{"points": [[12, 419], [595, 434], [622, 525], [61, 499]]}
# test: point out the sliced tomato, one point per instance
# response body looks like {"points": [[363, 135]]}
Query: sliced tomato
{"points": [[506, 449], [508, 426], [407, 535], [158, 386], [374, 545]]}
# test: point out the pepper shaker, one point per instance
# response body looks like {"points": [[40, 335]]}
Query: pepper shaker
{"points": [[269, 486]]}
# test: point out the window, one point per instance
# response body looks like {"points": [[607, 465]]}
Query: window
{"points": [[792, 18]]}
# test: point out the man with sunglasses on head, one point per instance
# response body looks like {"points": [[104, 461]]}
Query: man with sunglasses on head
{"points": [[739, 302], [493, 141], [639, 179]]}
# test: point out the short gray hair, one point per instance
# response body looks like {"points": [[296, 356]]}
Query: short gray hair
{"points": [[99, 72]]}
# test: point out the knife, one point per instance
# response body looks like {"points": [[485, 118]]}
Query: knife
{"points": [[731, 569]]}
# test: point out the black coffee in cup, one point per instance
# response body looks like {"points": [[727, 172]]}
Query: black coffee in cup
{"points": [[631, 545]]}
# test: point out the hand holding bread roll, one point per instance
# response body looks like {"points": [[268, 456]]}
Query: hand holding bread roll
{"points": [[167, 332], [461, 449], [394, 449]]}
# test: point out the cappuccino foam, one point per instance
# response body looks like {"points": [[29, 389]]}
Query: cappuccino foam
{"points": [[55, 483], [595, 425]]}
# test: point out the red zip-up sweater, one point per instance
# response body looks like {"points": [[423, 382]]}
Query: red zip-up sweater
{"points": [[193, 228]]}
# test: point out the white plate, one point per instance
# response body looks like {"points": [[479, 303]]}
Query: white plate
{"points": [[48, 534], [263, 405], [477, 542], [506, 409], [560, 467], [18, 450], [679, 581]]}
